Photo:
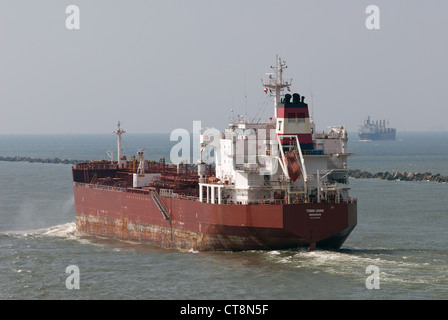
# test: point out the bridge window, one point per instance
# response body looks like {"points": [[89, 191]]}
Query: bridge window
{"points": [[291, 117]]}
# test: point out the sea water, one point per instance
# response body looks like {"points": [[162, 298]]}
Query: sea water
{"points": [[401, 234]]}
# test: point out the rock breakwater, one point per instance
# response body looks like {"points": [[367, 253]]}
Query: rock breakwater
{"points": [[399, 176], [41, 160], [357, 174]]}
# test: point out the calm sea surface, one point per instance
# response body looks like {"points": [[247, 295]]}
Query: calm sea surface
{"points": [[402, 232]]}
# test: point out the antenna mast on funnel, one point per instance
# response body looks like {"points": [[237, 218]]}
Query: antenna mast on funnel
{"points": [[277, 83]]}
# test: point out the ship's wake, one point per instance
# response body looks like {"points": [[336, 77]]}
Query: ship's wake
{"points": [[66, 230], [394, 265]]}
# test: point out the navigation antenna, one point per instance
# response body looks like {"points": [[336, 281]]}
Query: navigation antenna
{"points": [[312, 98], [277, 83], [245, 93]]}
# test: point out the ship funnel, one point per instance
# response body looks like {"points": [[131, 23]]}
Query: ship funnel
{"points": [[295, 98]]}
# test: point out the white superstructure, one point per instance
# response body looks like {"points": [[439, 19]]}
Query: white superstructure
{"points": [[283, 160]]}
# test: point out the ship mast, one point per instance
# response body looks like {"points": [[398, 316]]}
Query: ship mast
{"points": [[119, 132], [277, 83]]}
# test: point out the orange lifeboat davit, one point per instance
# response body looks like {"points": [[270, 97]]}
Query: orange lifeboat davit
{"points": [[292, 165]]}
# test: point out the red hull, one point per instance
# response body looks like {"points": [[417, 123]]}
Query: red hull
{"points": [[201, 226]]}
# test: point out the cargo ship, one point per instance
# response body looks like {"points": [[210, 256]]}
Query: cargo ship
{"points": [[273, 184], [376, 130]]}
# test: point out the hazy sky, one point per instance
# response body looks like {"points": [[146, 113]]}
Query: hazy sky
{"points": [[160, 65]]}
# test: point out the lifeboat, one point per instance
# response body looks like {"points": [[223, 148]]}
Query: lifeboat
{"points": [[292, 165]]}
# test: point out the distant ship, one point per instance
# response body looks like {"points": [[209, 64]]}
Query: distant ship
{"points": [[376, 130], [275, 184]]}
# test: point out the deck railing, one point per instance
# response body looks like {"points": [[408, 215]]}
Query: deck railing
{"points": [[165, 194]]}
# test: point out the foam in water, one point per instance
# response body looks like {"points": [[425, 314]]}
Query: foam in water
{"points": [[66, 230], [62, 230]]}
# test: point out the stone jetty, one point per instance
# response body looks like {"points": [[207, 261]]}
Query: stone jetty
{"points": [[399, 176], [357, 174], [41, 160]]}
